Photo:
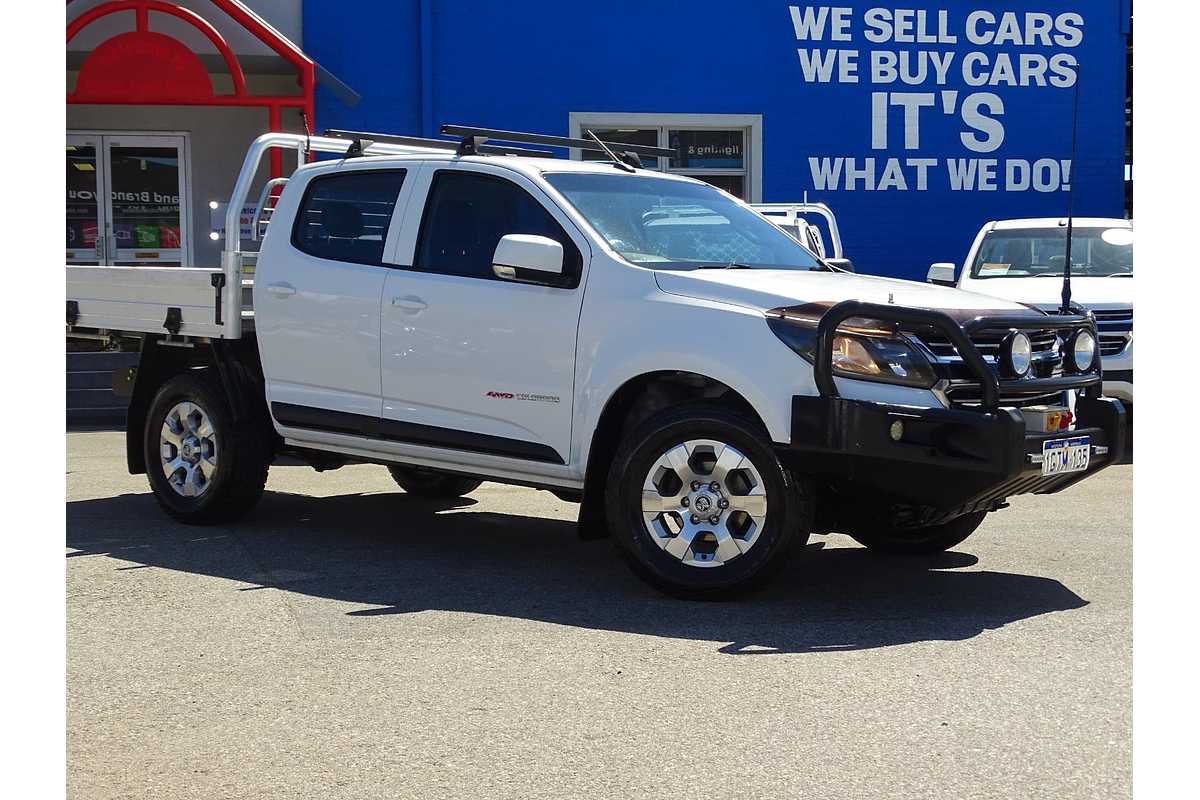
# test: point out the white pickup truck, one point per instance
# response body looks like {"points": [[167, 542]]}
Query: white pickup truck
{"points": [[1022, 260], [706, 387]]}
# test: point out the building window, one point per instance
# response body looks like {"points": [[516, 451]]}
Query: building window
{"points": [[721, 149]]}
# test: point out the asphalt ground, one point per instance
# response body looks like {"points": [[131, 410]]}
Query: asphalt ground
{"points": [[349, 641]]}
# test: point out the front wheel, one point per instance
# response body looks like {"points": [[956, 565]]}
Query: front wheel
{"points": [[918, 541], [431, 483], [700, 506]]}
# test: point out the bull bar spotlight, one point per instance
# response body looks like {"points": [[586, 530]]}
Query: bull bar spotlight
{"points": [[1016, 354], [1082, 349]]}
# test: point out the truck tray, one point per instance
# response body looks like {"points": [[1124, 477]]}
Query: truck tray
{"points": [[140, 299]]}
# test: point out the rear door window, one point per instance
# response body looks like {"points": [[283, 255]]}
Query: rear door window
{"points": [[345, 217], [467, 214]]}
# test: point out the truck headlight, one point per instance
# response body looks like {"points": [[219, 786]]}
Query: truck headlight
{"points": [[867, 351]]}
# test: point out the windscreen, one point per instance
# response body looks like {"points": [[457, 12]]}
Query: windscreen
{"points": [[669, 224], [1021, 253]]}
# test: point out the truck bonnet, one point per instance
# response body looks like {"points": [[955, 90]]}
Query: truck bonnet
{"points": [[765, 289]]}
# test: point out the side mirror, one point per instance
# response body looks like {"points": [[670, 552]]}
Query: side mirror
{"points": [[844, 264], [941, 273], [530, 259]]}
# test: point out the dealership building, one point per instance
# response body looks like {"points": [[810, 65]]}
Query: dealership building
{"points": [[916, 124]]}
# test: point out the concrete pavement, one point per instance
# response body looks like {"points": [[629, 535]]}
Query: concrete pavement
{"points": [[347, 640]]}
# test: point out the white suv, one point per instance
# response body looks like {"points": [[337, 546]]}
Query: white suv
{"points": [[1022, 260]]}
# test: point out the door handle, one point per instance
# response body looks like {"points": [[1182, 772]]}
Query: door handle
{"points": [[410, 303], [281, 290]]}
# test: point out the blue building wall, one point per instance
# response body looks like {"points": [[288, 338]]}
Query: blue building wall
{"points": [[527, 65]]}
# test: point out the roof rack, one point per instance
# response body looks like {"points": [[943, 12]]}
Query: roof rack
{"points": [[474, 138], [483, 141], [437, 144]]}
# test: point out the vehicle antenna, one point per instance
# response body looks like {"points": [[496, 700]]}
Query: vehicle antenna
{"points": [[1066, 287], [617, 162]]}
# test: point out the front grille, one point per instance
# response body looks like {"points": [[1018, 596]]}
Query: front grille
{"points": [[965, 393], [1112, 344], [988, 343], [1114, 315], [1047, 349], [1112, 324]]}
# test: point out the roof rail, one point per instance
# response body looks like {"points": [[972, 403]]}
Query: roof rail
{"points": [[474, 138], [438, 144]]}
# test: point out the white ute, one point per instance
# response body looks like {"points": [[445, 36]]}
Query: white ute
{"points": [[1022, 260], [706, 387]]}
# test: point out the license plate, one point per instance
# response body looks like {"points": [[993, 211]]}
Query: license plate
{"points": [[1060, 456]]}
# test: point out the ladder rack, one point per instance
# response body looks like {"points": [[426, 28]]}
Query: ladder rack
{"points": [[793, 212]]}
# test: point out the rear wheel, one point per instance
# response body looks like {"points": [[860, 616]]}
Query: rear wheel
{"points": [[202, 468], [918, 541], [427, 482], [699, 504]]}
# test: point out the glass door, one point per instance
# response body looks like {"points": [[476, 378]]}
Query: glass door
{"points": [[147, 202], [85, 212]]}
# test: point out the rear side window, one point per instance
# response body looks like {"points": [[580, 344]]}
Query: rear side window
{"points": [[467, 214], [345, 217]]}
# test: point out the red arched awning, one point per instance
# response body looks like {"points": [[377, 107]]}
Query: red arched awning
{"points": [[143, 67]]}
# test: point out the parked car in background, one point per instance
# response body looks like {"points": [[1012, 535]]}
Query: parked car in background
{"points": [[1023, 259], [792, 219]]}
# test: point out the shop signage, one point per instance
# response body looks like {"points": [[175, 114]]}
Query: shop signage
{"points": [[941, 85], [217, 218], [711, 149]]}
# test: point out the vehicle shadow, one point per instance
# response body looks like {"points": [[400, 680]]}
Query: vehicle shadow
{"points": [[395, 553]]}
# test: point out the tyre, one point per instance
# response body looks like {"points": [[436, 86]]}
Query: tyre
{"points": [[426, 482], [699, 505], [203, 469], [918, 541]]}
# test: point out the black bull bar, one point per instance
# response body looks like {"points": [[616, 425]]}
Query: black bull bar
{"points": [[947, 461], [990, 383]]}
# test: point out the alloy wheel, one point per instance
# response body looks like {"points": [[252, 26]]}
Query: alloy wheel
{"points": [[704, 502], [188, 448]]}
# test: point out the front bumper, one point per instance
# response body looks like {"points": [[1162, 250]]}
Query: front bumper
{"points": [[947, 462]]}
